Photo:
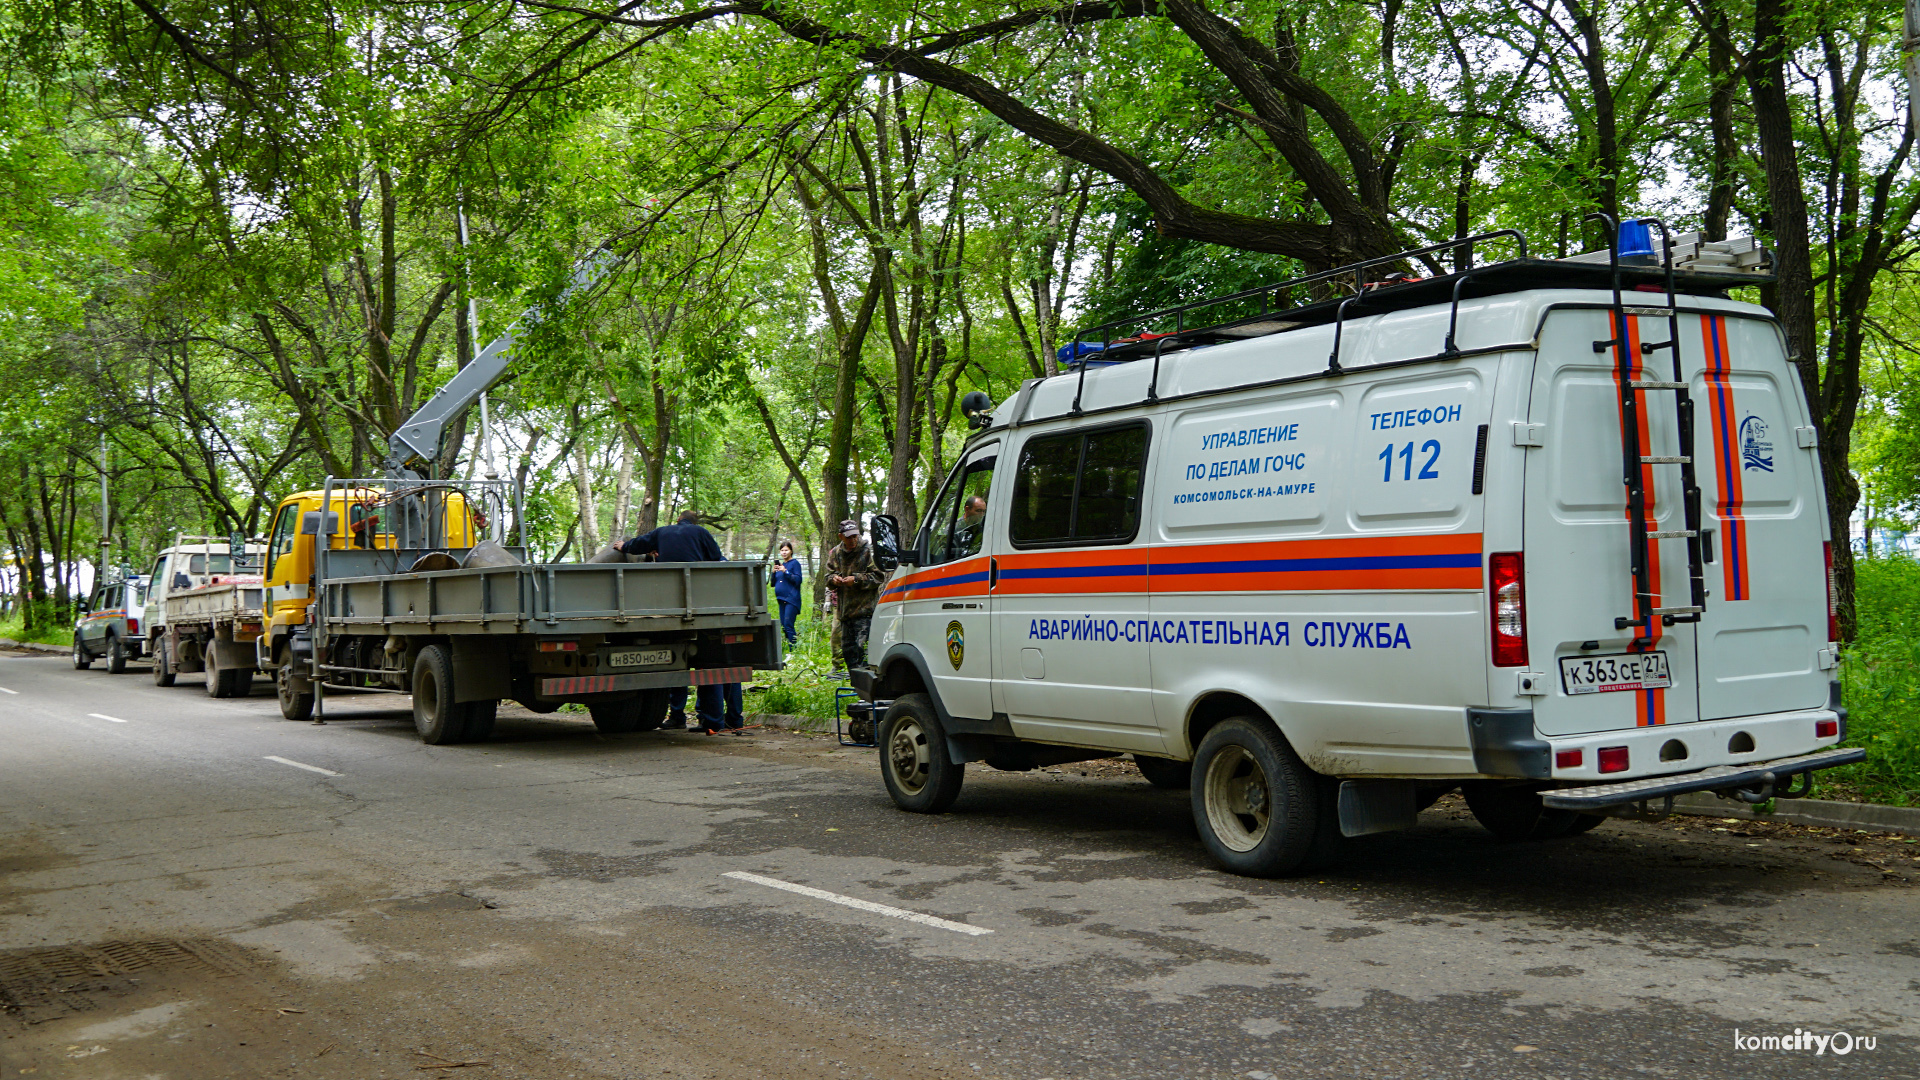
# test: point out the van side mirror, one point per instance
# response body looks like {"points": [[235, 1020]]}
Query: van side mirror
{"points": [[886, 541], [310, 523]]}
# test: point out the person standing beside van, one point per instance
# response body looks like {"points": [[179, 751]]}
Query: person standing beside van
{"points": [[857, 581], [786, 590], [719, 707]]}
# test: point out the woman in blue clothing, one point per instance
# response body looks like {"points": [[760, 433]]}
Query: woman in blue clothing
{"points": [[786, 589]]}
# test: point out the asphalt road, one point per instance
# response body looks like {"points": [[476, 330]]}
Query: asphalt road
{"points": [[196, 888]]}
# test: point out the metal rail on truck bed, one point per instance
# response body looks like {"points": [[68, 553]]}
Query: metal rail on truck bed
{"points": [[215, 602], [548, 598]]}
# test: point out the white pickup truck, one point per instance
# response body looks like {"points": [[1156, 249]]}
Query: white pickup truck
{"points": [[203, 591]]}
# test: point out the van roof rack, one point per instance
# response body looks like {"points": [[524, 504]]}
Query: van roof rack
{"points": [[1700, 268]]}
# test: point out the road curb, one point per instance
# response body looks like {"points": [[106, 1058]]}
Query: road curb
{"points": [[33, 646], [1833, 815]]}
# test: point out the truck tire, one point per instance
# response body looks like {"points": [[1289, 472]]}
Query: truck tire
{"points": [[653, 709], [914, 764], [1512, 813], [480, 717], [293, 704], [116, 655], [438, 718], [616, 717], [1255, 803], [162, 663], [224, 682], [1165, 772], [81, 661]]}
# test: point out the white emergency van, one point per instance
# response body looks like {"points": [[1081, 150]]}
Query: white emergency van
{"points": [[1549, 532]]}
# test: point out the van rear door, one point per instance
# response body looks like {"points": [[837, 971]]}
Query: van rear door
{"points": [[1578, 575], [1765, 626]]}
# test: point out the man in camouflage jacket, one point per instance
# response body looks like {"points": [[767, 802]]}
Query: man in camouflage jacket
{"points": [[856, 583]]}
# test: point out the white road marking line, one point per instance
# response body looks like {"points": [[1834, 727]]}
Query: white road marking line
{"points": [[4, 690], [299, 765], [853, 902], [104, 716]]}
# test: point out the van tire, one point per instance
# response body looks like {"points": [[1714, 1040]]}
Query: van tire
{"points": [[1584, 823], [437, 717], [116, 655], [616, 717], [81, 661], [1514, 814], [293, 704], [162, 663], [1256, 805], [1165, 772], [914, 764]]}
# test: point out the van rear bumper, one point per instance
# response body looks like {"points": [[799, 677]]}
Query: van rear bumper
{"points": [[1754, 782]]}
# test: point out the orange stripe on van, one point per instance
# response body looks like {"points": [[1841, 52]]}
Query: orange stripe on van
{"points": [[1723, 418], [1650, 706]]}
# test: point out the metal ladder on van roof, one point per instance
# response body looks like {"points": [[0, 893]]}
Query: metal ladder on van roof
{"points": [[1634, 459]]}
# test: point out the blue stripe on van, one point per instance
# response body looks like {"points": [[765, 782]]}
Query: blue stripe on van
{"points": [[1118, 570]]}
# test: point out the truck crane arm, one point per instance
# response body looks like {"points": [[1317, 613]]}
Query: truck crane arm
{"points": [[419, 438]]}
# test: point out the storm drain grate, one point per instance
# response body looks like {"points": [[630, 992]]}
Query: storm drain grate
{"points": [[37, 985]]}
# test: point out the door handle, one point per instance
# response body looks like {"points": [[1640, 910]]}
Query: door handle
{"points": [[993, 572]]}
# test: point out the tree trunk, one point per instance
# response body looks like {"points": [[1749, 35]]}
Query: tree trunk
{"points": [[589, 506]]}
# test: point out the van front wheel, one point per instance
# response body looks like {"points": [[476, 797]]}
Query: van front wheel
{"points": [[913, 757], [1254, 801]]}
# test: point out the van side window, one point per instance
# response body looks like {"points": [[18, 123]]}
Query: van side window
{"points": [[1080, 488]]}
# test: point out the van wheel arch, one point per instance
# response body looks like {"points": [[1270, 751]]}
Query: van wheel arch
{"points": [[1212, 708]]}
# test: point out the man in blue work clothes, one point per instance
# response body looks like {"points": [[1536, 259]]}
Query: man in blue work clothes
{"points": [[720, 707]]}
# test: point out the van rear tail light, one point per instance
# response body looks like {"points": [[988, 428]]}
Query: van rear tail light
{"points": [[1612, 759], [1509, 610], [1569, 759], [1826, 729], [1833, 603], [133, 626]]}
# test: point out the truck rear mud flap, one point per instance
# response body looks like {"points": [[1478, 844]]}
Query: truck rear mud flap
{"points": [[1753, 783]]}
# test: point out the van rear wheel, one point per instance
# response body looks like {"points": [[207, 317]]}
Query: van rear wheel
{"points": [[914, 764], [1513, 813], [1165, 773], [116, 655], [1256, 804]]}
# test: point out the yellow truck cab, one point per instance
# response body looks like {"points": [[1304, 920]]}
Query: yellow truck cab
{"points": [[292, 552]]}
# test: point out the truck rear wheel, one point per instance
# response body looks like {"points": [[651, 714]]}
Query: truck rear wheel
{"points": [[1514, 813], [438, 718], [81, 661], [1257, 806], [1165, 773], [617, 717], [480, 718], [116, 655], [294, 705], [162, 663], [222, 682], [913, 757]]}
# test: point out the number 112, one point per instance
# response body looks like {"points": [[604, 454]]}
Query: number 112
{"points": [[1428, 471]]}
